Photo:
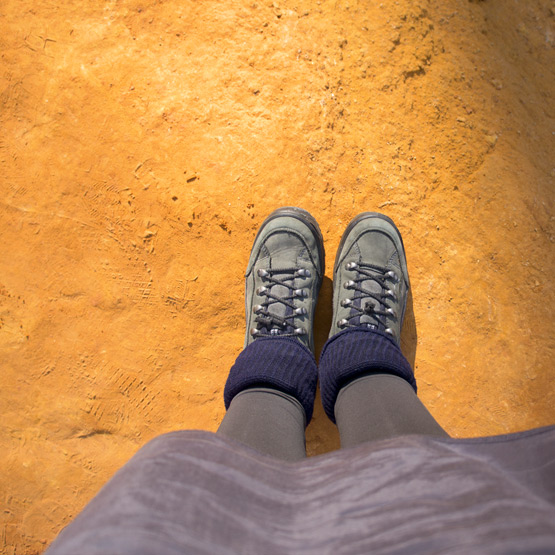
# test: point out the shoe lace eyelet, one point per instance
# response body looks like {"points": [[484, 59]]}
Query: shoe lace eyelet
{"points": [[392, 275]]}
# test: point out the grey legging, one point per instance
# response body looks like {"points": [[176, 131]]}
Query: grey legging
{"points": [[377, 406]]}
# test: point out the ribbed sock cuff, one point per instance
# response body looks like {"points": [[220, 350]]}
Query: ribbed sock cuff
{"points": [[282, 363], [353, 353]]}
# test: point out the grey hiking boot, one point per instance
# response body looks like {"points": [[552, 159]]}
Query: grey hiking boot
{"points": [[370, 277], [283, 277]]}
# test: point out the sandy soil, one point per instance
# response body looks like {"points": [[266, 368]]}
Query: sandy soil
{"points": [[143, 142]]}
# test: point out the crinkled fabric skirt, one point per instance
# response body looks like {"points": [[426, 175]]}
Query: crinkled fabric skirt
{"points": [[196, 492]]}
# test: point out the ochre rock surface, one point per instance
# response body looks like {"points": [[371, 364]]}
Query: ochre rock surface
{"points": [[143, 142]]}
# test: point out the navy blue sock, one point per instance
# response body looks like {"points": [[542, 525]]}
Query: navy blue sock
{"points": [[279, 362], [353, 353]]}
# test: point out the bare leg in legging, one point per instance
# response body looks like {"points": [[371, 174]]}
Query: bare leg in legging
{"points": [[267, 420], [379, 406]]}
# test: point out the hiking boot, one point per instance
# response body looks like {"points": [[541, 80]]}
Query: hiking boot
{"points": [[283, 277], [370, 277]]}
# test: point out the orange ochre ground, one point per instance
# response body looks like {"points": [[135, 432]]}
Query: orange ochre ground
{"points": [[143, 142]]}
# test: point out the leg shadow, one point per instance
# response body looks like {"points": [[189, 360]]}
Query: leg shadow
{"points": [[322, 435], [322, 318], [409, 336]]}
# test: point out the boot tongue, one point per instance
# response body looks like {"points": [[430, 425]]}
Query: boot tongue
{"points": [[281, 246], [384, 253], [366, 320]]}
